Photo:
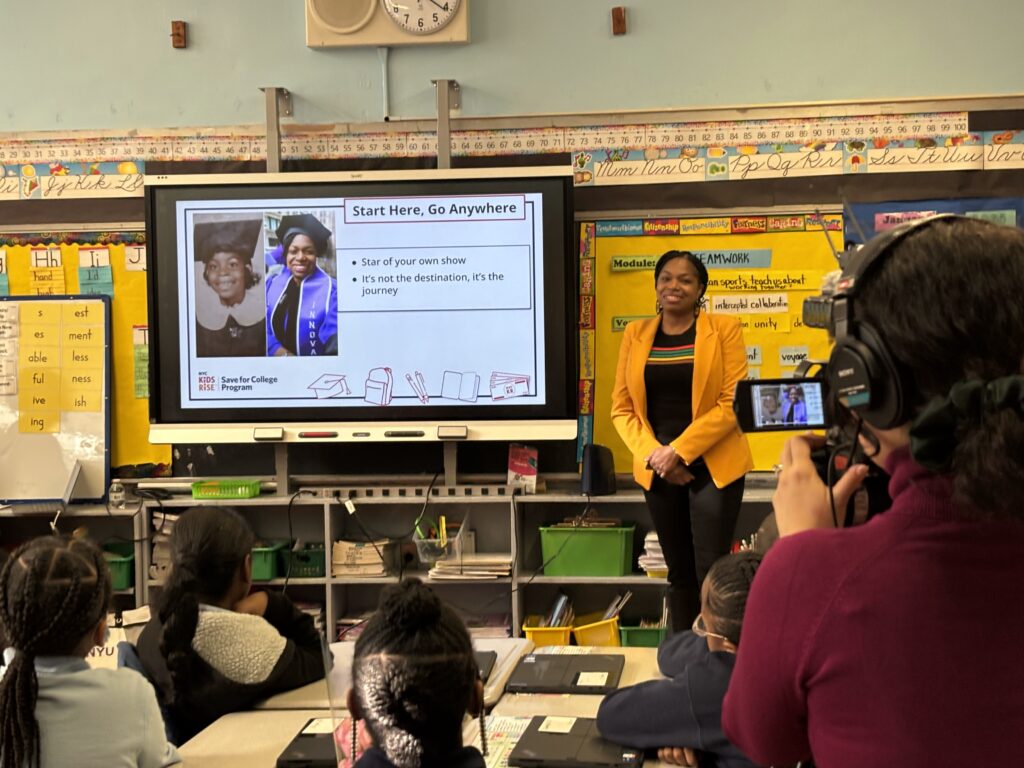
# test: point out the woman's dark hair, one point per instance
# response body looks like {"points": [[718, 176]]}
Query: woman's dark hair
{"points": [[53, 592], [947, 302], [413, 673], [208, 546], [729, 581], [229, 241], [694, 259]]}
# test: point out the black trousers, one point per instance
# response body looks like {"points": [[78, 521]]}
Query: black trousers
{"points": [[695, 524]]}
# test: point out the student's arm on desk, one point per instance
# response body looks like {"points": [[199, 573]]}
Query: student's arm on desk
{"points": [[302, 660], [654, 714], [680, 650]]}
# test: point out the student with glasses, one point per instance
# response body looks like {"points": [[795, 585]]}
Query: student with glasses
{"points": [[681, 716]]}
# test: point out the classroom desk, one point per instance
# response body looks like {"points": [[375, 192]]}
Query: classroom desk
{"points": [[246, 739], [315, 695], [641, 664]]}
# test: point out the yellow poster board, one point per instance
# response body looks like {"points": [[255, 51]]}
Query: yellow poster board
{"points": [[760, 268], [55, 269]]}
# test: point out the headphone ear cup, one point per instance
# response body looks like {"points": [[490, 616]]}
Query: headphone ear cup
{"points": [[862, 374]]}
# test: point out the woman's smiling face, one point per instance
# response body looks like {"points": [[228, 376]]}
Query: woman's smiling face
{"points": [[301, 256], [678, 287], [226, 273]]}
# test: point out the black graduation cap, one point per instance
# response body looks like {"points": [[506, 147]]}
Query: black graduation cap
{"points": [[305, 224], [233, 236]]}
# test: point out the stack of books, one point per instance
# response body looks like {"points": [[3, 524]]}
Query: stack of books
{"points": [[616, 605], [652, 561], [560, 614], [489, 625], [363, 558], [471, 566]]}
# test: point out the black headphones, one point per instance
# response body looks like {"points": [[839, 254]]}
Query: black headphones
{"points": [[861, 373]]}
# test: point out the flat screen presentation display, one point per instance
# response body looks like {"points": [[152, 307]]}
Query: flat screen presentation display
{"points": [[355, 306]]}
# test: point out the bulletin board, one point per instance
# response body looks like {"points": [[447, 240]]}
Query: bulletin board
{"points": [[54, 395], [760, 267], [101, 263]]}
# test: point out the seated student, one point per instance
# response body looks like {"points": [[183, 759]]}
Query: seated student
{"points": [[414, 678], [55, 710], [682, 715], [212, 648]]}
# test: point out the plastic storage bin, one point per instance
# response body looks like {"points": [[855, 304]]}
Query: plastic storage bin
{"points": [[593, 630], [642, 637], [431, 550], [264, 560], [226, 489], [543, 636], [587, 551], [121, 561], [306, 563]]}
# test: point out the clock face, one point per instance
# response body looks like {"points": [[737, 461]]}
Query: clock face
{"points": [[420, 17]]}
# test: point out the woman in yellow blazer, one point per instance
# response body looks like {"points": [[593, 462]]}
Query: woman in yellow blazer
{"points": [[672, 406]]}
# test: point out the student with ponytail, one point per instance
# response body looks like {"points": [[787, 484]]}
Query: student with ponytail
{"points": [[414, 678], [54, 710], [212, 648], [681, 716], [897, 642]]}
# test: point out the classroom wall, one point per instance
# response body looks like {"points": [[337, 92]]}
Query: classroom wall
{"points": [[111, 65]]}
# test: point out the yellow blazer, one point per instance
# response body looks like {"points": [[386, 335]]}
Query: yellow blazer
{"points": [[719, 361]]}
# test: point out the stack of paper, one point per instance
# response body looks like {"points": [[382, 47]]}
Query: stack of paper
{"points": [[489, 625], [471, 566], [362, 558], [652, 560]]}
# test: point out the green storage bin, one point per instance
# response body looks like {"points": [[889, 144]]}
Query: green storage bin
{"points": [[642, 637], [306, 563], [226, 489], [121, 561], [264, 560], [587, 551]]}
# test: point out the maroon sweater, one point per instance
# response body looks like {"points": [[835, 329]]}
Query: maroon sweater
{"points": [[899, 642]]}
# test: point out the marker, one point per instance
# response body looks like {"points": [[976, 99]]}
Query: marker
{"points": [[317, 434]]}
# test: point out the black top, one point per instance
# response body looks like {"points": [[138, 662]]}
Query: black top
{"points": [[668, 376], [233, 340], [285, 319]]}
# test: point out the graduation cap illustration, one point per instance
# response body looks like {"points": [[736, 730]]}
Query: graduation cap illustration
{"points": [[330, 385], [238, 236], [304, 224]]}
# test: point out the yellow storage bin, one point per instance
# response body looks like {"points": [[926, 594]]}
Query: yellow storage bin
{"points": [[543, 636], [593, 630]]}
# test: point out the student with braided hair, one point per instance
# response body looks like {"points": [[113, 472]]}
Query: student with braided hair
{"points": [[414, 678], [212, 648], [682, 716], [54, 710]]}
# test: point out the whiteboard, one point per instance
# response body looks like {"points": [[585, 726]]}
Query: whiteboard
{"points": [[54, 396]]}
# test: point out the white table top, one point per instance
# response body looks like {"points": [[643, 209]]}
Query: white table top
{"points": [[315, 695], [641, 665], [246, 739]]}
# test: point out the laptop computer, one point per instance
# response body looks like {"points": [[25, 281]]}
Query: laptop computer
{"points": [[569, 742], [312, 748], [555, 673], [485, 661]]}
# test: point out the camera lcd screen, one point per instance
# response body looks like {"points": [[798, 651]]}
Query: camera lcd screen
{"points": [[780, 405]]}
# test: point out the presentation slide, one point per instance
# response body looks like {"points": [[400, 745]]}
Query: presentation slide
{"points": [[335, 302]]}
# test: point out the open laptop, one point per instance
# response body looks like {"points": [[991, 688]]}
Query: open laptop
{"points": [[313, 746], [569, 742], [485, 661], [596, 673]]}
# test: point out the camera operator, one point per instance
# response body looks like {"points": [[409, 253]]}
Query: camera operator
{"points": [[898, 642]]}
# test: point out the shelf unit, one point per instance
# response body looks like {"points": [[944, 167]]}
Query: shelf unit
{"points": [[500, 523]]}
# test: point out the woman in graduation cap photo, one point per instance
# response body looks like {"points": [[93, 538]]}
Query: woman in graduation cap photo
{"points": [[302, 299], [229, 300]]}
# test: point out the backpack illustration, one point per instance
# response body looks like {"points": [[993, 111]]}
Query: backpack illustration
{"points": [[379, 383]]}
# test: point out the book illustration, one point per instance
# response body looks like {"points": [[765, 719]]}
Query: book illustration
{"points": [[379, 386], [460, 386], [330, 385], [508, 385], [419, 386]]}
